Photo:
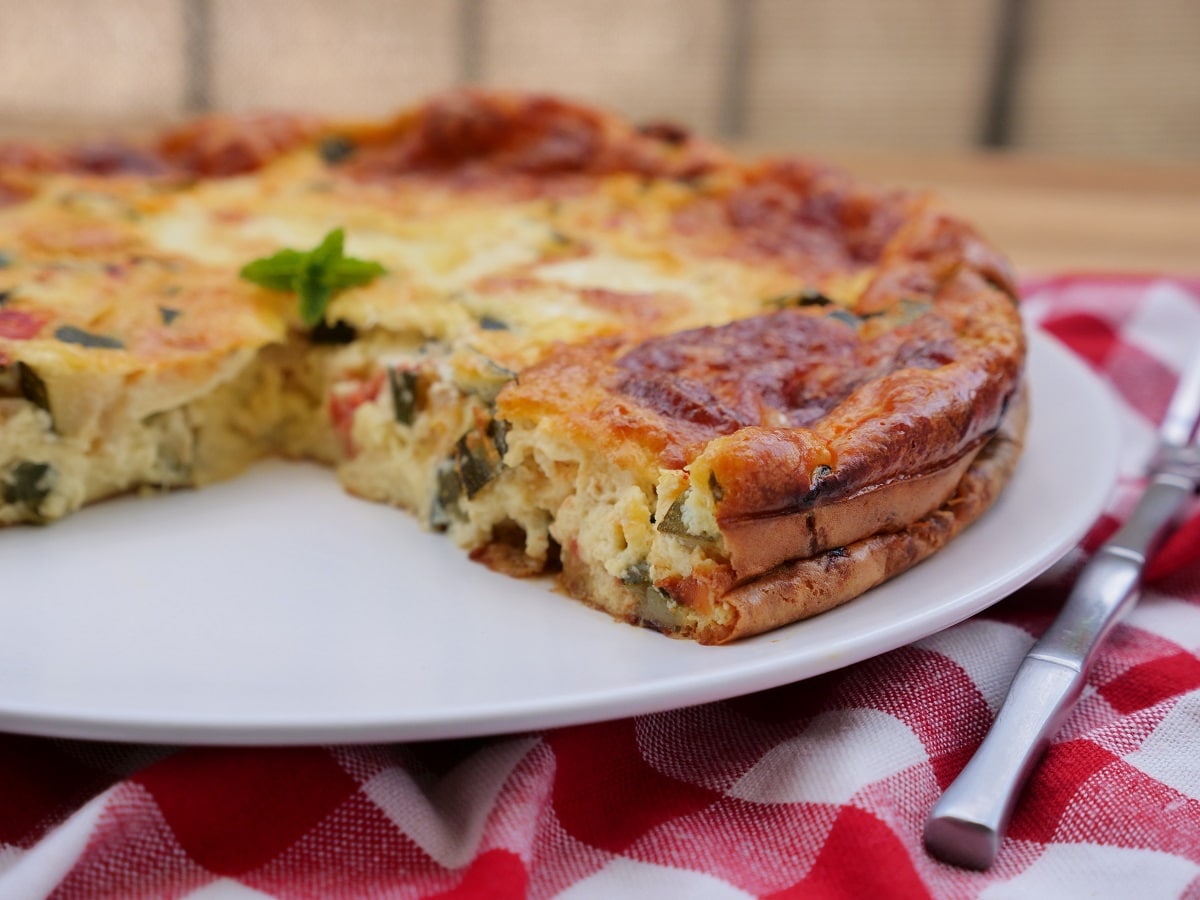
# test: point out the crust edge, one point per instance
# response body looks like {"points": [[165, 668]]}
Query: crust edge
{"points": [[758, 545], [804, 588]]}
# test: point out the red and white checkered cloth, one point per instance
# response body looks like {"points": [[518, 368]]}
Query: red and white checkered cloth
{"points": [[817, 789]]}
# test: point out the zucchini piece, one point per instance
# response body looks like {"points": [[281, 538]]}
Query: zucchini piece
{"points": [[661, 610], [474, 466], [403, 384], [498, 431], [28, 484], [444, 509], [479, 456], [637, 575], [672, 521]]}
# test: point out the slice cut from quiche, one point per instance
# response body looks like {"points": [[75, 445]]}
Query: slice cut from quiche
{"points": [[718, 396]]}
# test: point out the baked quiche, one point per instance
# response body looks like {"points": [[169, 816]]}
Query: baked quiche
{"points": [[716, 396]]}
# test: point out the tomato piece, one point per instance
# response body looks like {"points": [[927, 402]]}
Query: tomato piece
{"points": [[19, 325], [344, 401]]}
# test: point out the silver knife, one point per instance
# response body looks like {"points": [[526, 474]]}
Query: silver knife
{"points": [[967, 825]]}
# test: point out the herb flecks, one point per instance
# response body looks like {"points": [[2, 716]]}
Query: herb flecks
{"points": [[844, 315], [336, 149], [314, 276], [69, 334], [491, 323], [404, 394]]}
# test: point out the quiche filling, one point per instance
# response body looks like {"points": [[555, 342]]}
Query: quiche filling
{"points": [[571, 344]]}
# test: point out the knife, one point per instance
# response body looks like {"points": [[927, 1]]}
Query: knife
{"points": [[968, 823]]}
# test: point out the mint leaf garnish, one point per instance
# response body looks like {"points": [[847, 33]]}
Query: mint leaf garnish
{"points": [[314, 276]]}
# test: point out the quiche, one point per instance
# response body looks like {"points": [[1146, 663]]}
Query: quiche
{"points": [[714, 395]]}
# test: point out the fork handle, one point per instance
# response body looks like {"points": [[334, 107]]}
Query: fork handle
{"points": [[968, 823]]}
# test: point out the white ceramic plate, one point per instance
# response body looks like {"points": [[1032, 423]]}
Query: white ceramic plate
{"points": [[276, 609]]}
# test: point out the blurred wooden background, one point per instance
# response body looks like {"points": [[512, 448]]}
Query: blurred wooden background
{"points": [[1093, 78]]}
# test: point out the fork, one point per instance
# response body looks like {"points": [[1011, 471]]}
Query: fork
{"points": [[967, 825]]}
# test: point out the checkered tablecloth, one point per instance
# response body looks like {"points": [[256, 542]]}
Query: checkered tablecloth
{"points": [[818, 789]]}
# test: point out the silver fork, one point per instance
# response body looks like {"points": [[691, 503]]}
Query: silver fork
{"points": [[968, 823]]}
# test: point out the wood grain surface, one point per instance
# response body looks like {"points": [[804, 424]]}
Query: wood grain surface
{"points": [[1060, 214]]}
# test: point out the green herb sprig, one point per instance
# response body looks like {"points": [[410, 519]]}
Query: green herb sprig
{"points": [[314, 276]]}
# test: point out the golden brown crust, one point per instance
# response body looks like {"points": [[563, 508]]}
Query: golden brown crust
{"points": [[477, 135], [468, 137], [758, 544], [804, 588]]}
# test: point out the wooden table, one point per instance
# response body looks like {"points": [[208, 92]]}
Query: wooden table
{"points": [[1060, 215]]}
